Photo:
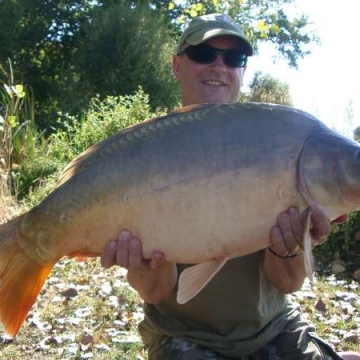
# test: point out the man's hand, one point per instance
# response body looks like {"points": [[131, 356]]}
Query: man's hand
{"points": [[154, 279], [287, 236], [284, 260], [127, 252]]}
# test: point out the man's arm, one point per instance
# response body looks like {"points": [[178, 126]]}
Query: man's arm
{"points": [[153, 279]]}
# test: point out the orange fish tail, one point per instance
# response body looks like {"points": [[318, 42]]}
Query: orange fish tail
{"points": [[21, 279]]}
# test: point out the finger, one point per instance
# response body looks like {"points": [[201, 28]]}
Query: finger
{"points": [[108, 256], [296, 225], [136, 261], [277, 242], [122, 253], [156, 259], [321, 227], [287, 233]]}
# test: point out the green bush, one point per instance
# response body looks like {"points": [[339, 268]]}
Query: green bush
{"points": [[103, 119], [34, 173], [37, 173], [343, 243]]}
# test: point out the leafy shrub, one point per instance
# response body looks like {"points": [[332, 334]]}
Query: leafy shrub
{"points": [[37, 173], [343, 243], [103, 119]]}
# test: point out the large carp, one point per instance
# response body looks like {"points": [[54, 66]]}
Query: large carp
{"points": [[202, 185]]}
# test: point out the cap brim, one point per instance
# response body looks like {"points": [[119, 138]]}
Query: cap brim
{"points": [[200, 36]]}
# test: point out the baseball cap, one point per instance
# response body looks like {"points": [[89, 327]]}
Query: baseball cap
{"points": [[208, 26]]}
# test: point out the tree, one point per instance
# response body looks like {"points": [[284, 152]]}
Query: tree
{"points": [[40, 38], [125, 47], [265, 88]]}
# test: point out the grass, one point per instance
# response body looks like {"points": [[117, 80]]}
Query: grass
{"points": [[85, 311], [333, 305]]}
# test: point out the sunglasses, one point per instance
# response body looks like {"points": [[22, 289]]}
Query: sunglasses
{"points": [[206, 54]]}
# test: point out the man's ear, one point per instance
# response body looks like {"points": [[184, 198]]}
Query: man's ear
{"points": [[176, 66]]}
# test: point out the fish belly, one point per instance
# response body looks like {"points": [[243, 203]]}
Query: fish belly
{"points": [[190, 221]]}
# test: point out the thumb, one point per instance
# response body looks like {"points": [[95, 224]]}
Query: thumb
{"points": [[320, 226]]}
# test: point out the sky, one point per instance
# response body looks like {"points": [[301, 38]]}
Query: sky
{"points": [[327, 82]]}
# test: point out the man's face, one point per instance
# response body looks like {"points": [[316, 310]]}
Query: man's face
{"points": [[209, 83]]}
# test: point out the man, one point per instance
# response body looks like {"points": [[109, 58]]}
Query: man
{"points": [[243, 313]]}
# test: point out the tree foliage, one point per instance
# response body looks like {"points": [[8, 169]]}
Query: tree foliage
{"points": [[262, 21], [265, 88], [41, 41], [122, 49]]}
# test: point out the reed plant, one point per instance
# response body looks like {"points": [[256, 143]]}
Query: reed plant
{"points": [[17, 126]]}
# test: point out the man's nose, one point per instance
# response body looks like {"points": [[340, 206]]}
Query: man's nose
{"points": [[219, 61]]}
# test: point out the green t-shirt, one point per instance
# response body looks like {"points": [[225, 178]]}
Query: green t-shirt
{"points": [[238, 312]]}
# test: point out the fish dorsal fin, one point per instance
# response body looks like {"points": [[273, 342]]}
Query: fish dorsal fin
{"points": [[73, 167], [193, 279], [307, 242]]}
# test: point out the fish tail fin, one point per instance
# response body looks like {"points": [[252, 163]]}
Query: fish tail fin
{"points": [[21, 279]]}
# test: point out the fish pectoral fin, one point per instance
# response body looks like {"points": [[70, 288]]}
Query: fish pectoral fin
{"points": [[193, 279], [307, 244]]}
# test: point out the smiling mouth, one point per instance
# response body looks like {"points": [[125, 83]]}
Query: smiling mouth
{"points": [[214, 83]]}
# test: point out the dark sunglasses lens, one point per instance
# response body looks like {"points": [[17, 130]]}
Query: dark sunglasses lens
{"points": [[205, 54], [234, 58], [201, 54]]}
